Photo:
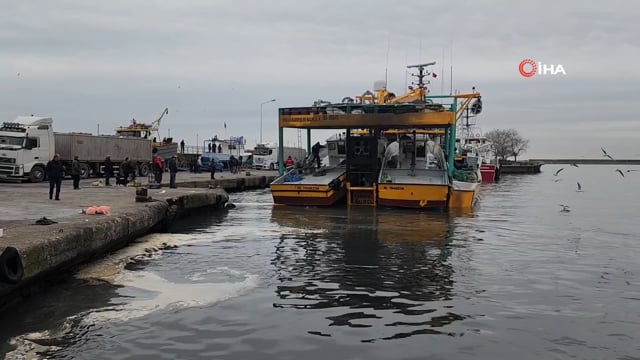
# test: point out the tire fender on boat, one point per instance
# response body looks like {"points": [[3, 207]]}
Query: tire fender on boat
{"points": [[11, 268]]}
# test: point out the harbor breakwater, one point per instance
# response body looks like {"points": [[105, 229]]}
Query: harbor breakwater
{"points": [[42, 239]]}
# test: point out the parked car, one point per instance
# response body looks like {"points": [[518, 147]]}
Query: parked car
{"points": [[221, 161]]}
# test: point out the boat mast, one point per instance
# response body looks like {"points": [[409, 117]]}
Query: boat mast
{"points": [[422, 72]]}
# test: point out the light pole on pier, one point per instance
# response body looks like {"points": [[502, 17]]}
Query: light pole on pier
{"points": [[265, 102]]}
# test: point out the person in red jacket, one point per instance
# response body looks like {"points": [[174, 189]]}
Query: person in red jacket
{"points": [[289, 162]]}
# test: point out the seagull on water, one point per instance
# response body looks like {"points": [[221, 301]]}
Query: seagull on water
{"points": [[558, 172], [620, 172], [579, 186], [565, 208]]}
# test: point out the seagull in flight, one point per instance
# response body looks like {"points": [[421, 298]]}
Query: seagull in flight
{"points": [[556, 180], [565, 208], [605, 153], [630, 170], [558, 172], [579, 186], [575, 165], [620, 172]]}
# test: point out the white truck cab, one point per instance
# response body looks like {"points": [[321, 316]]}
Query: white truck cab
{"points": [[265, 156], [26, 145]]}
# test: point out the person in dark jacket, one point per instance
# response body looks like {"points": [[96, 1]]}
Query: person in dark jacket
{"points": [[125, 171], [233, 164], [172, 164], [315, 151], [55, 171], [212, 168], [75, 172], [108, 170]]}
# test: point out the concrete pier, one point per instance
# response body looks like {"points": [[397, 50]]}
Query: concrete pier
{"points": [[44, 250]]}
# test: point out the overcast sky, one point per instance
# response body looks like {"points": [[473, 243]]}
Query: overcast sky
{"points": [[213, 61]]}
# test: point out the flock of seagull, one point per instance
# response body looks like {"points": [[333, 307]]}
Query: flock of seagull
{"points": [[566, 208]]}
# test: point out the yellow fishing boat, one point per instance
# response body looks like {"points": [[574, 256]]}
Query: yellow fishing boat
{"points": [[399, 150]]}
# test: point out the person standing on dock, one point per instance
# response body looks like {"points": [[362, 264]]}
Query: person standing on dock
{"points": [[157, 168], [108, 170], [182, 146], [172, 164], [54, 171], [212, 168], [125, 170], [233, 164], [75, 172]]}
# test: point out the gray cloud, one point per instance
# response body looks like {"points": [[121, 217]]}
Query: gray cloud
{"points": [[210, 62]]}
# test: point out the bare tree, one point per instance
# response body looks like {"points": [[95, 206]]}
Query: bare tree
{"points": [[518, 146], [506, 143]]}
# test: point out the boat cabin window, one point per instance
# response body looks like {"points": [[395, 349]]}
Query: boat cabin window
{"points": [[342, 148], [421, 150], [129, 133]]}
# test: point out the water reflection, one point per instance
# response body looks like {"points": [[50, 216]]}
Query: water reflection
{"points": [[375, 266]]}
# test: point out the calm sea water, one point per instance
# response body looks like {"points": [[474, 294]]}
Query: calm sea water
{"points": [[515, 278]]}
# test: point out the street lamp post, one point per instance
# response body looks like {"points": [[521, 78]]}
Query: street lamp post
{"points": [[265, 102]]}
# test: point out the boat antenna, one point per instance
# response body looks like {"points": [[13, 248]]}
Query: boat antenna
{"points": [[406, 72], [451, 72], [442, 74], [422, 72], [386, 67]]}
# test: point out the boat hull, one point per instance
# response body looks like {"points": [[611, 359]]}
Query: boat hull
{"points": [[308, 194], [415, 196], [488, 173], [308, 198], [464, 195]]}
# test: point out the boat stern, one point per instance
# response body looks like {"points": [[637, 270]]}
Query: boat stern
{"points": [[464, 195]]}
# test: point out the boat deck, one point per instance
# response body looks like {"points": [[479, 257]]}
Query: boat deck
{"points": [[328, 175]]}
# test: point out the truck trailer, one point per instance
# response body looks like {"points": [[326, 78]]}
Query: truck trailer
{"points": [[28, 143]]}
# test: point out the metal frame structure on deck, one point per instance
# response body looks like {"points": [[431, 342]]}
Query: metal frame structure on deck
{"points": [[427, 116]]}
